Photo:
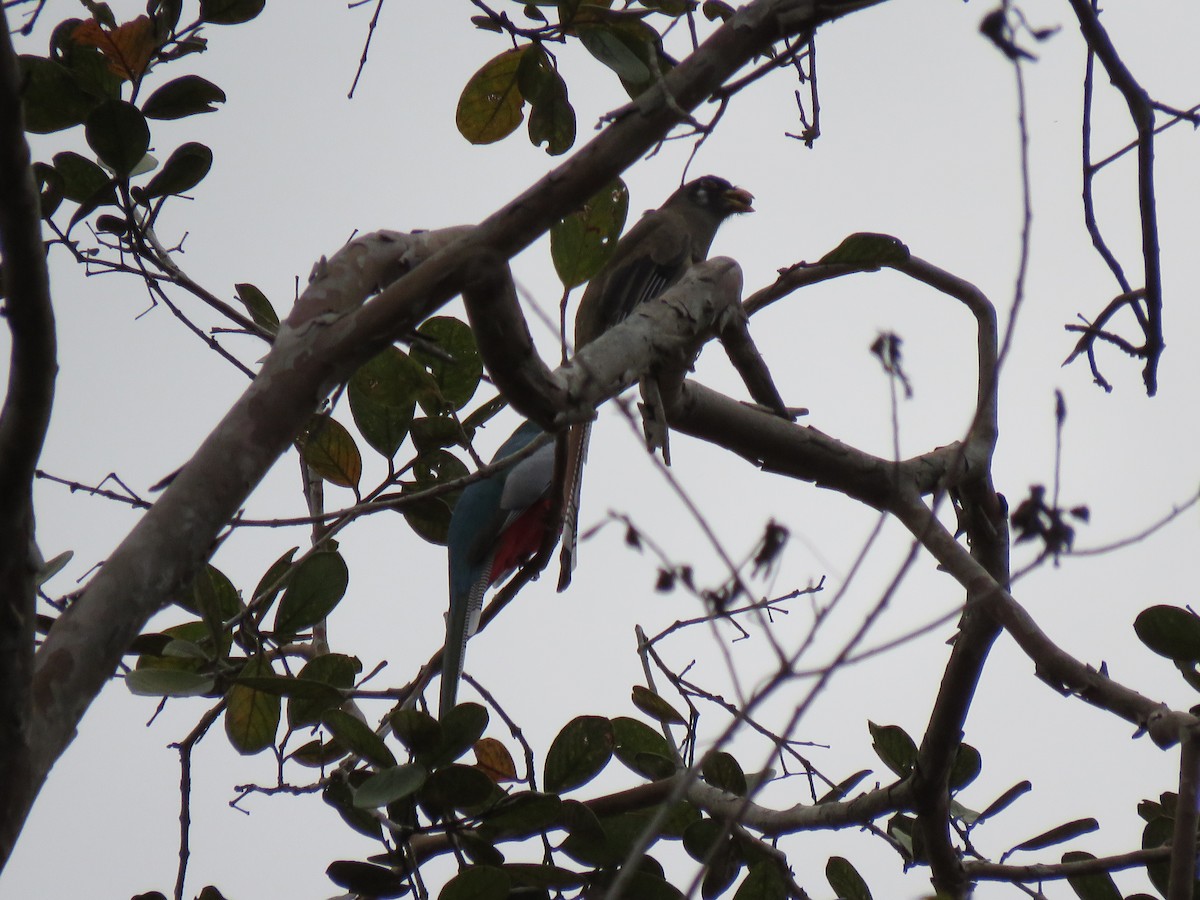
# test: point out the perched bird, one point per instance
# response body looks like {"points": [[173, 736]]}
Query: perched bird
{"points": [[497, 524], [652, 256]]}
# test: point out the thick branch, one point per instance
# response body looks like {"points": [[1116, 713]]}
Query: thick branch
{"points": [[313, 353], [23, 422]]}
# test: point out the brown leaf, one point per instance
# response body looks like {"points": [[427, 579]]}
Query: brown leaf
{"points": [[493, 760], [128, 48]]}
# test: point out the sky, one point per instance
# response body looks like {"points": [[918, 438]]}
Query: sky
{"points": [[919, 141]]}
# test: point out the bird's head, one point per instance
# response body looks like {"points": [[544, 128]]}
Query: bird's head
{"points": [[716, 195]]}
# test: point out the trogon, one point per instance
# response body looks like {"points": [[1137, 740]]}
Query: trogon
{"points": [[652, 256], [498, 523]]}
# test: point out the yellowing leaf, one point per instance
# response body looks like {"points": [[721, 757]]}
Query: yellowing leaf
{"points": [[127, 48]]}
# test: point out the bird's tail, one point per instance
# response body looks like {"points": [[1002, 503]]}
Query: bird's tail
{"points": [[462, 621], [577, 446]]}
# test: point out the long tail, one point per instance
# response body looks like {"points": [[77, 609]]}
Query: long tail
{"points": [[577, 447], [461, 623]]}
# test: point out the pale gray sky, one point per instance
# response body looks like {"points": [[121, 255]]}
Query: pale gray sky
{"points": [[918, 115]]}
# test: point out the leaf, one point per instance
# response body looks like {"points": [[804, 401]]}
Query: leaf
{"points": [[51, 96], [868, 251], [389, 785], [967, 764], [847, 884], [383, 396], [581, 242], [578, 752], [477, 883], [491, 106], [230, 12], [892, 744], [843, 787], [722, 771], [457, 376], [522, 815], [251, 715], [50, 188], [655, 706], [330, 451], [457, 787], [1059, 834], [626, 46], [187, 96], [214, 598], [642, 749], [551, 119], [259, 307], [357, 736], [1095, 886], [156, 682], [763, 882], [1005, 800], [316, 587], [367, 880], [273, 581], [1170, 631], [417, 730], [717, 9], [81, 178], [461, 727], [127, 47], [430, 518], [118, 134], [334, 672], [185, 169], [493, 759]]}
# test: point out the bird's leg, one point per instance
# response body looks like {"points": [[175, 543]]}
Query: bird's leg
{"points": [[654, 418]]}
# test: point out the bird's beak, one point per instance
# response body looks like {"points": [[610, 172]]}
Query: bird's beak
{"points": [[739, 200]]}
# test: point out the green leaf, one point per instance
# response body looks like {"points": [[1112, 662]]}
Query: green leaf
{"points": [[417, 730], [390, 785], [655, 706], [717, 9], [186, 96], [625, 46], [318, 755], [578, 753], [1171, 632], [847, 884], [317, 586], [1005, 800], [366, 879], [868, 251], [1058, 835], [763, 882], [477, 883], [892, 744], [354, 734], [185, 169], [522, 815], [457, 787], [156, 682], [118, 134], [50, 188], [673, 8], [581, 242], [1096, 886], [330, 451], [251, 715], [273, 581], [844, 787], [51, 97], [383, 396], [230, 12], [80, 176], [722, 771], [166, 655], [457, 377], [551, 119], [259, 307], [491, 106], [335, 672], [642, 749], [430, 518], [967, 764], [461, 727], [701, 838]]}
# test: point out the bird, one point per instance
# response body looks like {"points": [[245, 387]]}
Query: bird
{"points": [[497, 524], [652, 256]]}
